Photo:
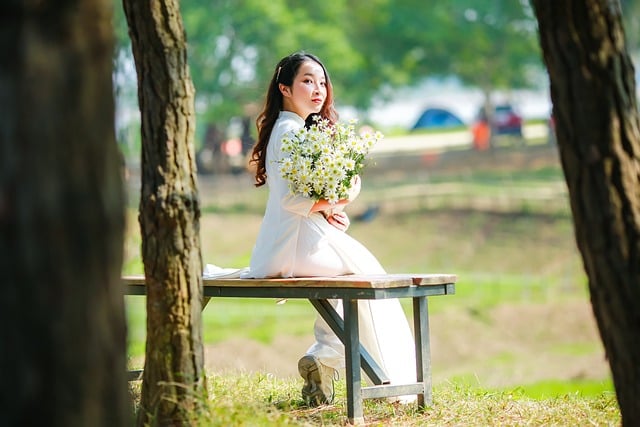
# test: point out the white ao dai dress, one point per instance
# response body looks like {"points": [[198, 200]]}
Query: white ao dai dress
{"points": [[294, 242]]}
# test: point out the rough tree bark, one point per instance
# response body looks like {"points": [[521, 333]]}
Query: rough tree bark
{"points": [[63, 335], [596, 115], [173, 379]]}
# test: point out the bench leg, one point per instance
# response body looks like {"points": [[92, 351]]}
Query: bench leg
{"points": [[423, 349], [352, 359]]}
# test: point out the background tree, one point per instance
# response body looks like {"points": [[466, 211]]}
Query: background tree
{"points": [[598, 133], [61, 218], [488, 45], [495, 45], [233, 55], [173, 380], [631, 22]]}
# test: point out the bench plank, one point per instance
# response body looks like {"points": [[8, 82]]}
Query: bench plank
{"points": [[383, 281]]}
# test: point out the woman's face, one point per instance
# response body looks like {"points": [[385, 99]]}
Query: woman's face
{"points": [[307, 93]]}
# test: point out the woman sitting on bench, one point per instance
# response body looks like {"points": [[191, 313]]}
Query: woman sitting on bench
{"points": [[302, 237]]}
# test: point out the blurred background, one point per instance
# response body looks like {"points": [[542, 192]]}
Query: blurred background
{"points": [[466, 181]]}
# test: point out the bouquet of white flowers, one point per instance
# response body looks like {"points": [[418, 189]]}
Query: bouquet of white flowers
{"points": [[320, 161]]}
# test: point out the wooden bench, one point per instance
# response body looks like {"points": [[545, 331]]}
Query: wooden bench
{"points": [[350, 289]]}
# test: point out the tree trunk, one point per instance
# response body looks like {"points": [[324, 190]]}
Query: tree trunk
{"points": [[594, 106], [63, 335], [173, 380]]}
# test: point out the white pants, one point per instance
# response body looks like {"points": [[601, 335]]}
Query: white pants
{"points": [[384, 332]]}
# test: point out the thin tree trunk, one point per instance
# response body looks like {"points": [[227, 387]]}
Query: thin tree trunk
{"points": [[63, 335], [173, 380], [594, 106]]}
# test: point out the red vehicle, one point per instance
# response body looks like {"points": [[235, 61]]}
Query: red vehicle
{"points": [[506, 121]]}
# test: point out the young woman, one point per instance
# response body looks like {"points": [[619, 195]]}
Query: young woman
{"points": [[303, 237]]}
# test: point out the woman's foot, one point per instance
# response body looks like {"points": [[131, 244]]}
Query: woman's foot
{"points": [[318, 381]]}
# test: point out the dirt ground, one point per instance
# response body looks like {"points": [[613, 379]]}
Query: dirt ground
{"points": [[505, 346]]}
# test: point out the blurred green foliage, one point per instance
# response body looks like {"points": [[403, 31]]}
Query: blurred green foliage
{"points": [[369, 47]]}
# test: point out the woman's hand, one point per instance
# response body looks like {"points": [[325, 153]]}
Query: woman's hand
{"points": [[328, 209], [354, 190], [339, 220]]}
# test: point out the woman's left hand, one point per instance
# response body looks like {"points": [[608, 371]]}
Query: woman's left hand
{"points": [[339, 220]]}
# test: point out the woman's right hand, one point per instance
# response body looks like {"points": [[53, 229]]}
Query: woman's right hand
{"points": [[354, 190]]}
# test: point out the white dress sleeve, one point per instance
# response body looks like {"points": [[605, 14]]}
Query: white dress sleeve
{"points": [[294, 203], [298, 204]]}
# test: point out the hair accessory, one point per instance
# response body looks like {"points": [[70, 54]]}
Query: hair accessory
{"points": [[278, 74]]}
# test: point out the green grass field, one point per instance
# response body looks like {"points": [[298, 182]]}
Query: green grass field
{"points": [[516, 344]]}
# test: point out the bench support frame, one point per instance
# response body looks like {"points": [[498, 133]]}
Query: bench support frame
{"points": [[319, 291]]}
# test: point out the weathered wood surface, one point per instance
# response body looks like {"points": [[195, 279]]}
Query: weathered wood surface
{"points": [[384, 281]]}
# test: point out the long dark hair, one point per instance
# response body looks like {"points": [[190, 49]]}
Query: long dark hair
{"points": [[284, 73]]}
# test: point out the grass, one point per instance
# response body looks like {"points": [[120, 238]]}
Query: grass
{"points": [[518, 271], [550, 389], [263, 400]]}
